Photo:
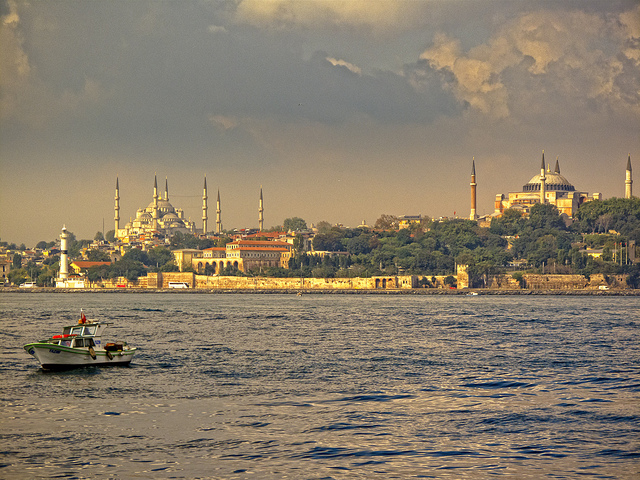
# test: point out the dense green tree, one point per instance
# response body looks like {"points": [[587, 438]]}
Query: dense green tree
{"points": [[95, 255], [16, 262], [294, 224]]}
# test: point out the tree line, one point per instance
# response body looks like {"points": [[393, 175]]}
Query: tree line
{"points": [[544, 241]]}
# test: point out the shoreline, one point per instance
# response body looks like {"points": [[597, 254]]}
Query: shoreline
{"points": [[404, 291]]}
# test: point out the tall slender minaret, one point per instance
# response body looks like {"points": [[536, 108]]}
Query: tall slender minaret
{"points": [[117, 208], [155, 202], [64, 250], [473, 215], [543, 180], [628, 183], [166, 189], [557, 169], [260, 212], [204, 207], [218, 217]]}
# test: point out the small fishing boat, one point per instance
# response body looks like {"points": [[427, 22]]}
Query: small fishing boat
{"points": [[80, 345]]}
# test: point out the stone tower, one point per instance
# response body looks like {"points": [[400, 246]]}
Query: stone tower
{"points": [[260, 212], [204, 207], [628, 183], [473, 215], [64, 254], [154, 214], [218, 215], [543, 180], [117, 207]]}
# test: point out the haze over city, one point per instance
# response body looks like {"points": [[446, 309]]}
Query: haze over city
{"points": [[341, 111]]}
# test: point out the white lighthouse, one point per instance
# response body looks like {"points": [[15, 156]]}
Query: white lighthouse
{"points": [[64, 258]]}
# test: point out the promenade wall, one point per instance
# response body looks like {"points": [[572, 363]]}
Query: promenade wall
{"points": [[502, 282]]}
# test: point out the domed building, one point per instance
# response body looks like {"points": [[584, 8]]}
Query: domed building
{"points": [[159, 218], [546, 187]]}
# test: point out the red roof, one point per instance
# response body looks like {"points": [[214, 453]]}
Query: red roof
{"points": [[88, 264], [260, 243]]}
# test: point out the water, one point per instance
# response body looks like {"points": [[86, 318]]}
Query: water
{"points": [[327, 387]]}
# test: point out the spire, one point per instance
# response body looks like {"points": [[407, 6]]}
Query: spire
{"points": [[154, 213], [557, 169], [628, 183], [116, 217], [218, 218], [543, 179], [260, 212], [166, 188], [205, 216], [473, 184]]}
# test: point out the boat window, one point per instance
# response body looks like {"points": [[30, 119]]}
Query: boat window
{"points": [[66, 330], [79, 342], [65, 343], [90, 330], [76, 330]]}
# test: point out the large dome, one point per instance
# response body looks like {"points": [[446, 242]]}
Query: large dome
{"points": [[553, 181]]}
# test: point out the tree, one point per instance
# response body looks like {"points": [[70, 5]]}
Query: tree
{"points": [[159, 256], [323, 226], [94, 255], [16, 262], [387, 222], [110, 236], [294, 224], [99, 237]]}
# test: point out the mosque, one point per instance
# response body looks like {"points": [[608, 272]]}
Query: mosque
{"points": [[161, 219], [547, 187]]}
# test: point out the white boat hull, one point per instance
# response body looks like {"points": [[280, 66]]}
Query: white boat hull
{"points": [[53, 356]]}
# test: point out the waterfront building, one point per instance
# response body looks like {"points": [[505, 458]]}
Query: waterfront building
{"points": [[241, 254], [546, 187]]}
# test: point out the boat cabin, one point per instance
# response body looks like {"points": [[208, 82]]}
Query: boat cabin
{"points": [[74, 342], [85, 330]]}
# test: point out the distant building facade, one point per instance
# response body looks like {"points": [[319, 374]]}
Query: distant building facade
{"points": [[546, 187], [242, 254]]}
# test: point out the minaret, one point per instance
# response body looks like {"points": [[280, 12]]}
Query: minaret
{"points": [[155, 203], [64, 250], [543, 180], [117, 208], [260, 212], [218, 217], [166, 189], [473, 215], [628, 183], [204, 207], [557, 169]]}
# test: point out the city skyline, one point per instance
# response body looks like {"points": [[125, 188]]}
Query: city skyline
{"points": [[340, 111]]}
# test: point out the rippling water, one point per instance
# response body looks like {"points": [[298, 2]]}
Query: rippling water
{"points": [[327, 386]]}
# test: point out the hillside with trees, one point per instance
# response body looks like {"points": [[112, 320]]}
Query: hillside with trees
{"points": [[542, 242]]}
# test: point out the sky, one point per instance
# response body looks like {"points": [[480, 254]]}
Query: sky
{"points": [[340, 110]]}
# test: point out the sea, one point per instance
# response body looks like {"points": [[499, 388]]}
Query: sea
{"points": [[321, 386]]}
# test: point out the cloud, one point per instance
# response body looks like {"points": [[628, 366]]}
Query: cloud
{"points": [[344, 63], [319, 14], [581, 57]]}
